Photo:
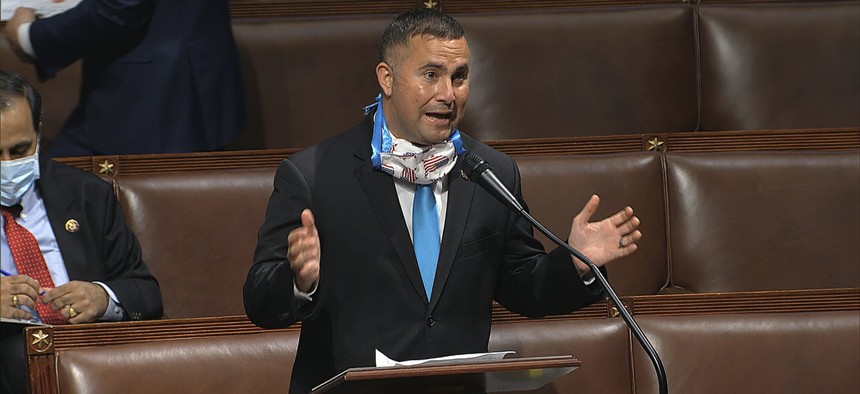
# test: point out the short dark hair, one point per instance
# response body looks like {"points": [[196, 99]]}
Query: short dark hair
{"points": [[418, 21], [12, 86]]}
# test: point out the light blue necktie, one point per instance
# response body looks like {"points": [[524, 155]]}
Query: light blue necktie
{"points": [[425, 234]]}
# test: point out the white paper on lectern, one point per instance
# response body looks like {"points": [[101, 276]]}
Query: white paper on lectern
{"points": [[44, 8], [383, 361]]}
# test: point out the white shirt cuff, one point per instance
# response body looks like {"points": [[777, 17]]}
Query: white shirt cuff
{"points": [[114, 311], [302, 295], [587, 278], [24, 39]]}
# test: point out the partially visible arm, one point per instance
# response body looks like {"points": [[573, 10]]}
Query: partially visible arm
{"points": [[62, 39], [136, 289], [17, 33], [532, 282], [114, 310], [270, 299]]}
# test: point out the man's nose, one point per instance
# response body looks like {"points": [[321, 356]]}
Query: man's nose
{"points": [[445, 91]]}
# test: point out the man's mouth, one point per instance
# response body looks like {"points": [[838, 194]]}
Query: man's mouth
{"points": [[440, 116]]}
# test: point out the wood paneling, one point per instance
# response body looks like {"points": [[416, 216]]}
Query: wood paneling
{"points": [[295, 8], [841, 139]]}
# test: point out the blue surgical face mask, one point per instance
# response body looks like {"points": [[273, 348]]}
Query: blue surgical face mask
{"points": [[16, 177]]}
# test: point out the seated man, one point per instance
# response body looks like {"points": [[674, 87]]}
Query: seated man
{"points": [[67, 255]]}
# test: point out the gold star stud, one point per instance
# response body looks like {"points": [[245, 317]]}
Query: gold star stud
{"points": [[655, 144], [431, 4], [41, 340], [107, 167]]}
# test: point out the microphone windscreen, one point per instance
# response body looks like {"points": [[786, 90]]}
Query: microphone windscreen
{"points": [[474, 165]]}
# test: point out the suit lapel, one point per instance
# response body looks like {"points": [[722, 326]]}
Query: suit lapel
{"points": [[460, 192], [381, 195], [380, 192], [59, 206]]}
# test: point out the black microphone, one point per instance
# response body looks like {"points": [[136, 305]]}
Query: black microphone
{"points": [[478, 170]]}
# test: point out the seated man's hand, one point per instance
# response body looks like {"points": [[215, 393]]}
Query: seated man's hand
{"points": [[81, 302], [22, 15], [304, 253], [606, 240], [17, 291]]}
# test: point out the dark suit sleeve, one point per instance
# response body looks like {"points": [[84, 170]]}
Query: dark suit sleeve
{"points": [[64, 38], [126, 273], [534, 283], [104, 249], [268, 292]]}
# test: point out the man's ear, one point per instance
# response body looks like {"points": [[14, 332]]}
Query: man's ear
{"points": [[385, 77]]}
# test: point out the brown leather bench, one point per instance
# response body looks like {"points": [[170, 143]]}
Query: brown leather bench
{"points": [[793, 341], [262, 362], [763, 221], [199, 229], [548, 69], [812, 352], [557, 186], [802, 76], [713, 222], [603, 346], [636, 76], [689, 202], [258, 363]]}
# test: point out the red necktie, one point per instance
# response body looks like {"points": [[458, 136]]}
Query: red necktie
{"points": [[29, 260]]}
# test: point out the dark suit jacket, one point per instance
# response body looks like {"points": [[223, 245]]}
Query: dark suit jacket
{"points": [[370, 294], [159, 76], [103, 248]]}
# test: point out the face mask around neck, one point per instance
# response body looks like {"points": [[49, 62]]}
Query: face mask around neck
{"points": [[17, 177]]}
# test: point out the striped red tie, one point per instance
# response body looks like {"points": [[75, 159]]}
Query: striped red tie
{"points": [[29, 260]]}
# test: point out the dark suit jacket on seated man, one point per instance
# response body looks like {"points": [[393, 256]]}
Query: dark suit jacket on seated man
{"points": [[158, 76], [336, 249], [94, 260]]}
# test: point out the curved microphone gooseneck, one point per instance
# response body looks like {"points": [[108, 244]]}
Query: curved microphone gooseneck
{"points": [[478, 170]]}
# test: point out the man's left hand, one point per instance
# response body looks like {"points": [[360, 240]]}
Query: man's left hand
{"points": [[81, 302], [606, 240], [22, 15]]}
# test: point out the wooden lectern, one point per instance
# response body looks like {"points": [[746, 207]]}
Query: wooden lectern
{"points": [[516, 374]]}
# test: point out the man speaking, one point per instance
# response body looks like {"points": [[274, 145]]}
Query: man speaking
{"points": [[374, 240]]}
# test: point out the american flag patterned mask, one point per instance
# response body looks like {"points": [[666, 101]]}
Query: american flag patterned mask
{"points": [[405, 160]]}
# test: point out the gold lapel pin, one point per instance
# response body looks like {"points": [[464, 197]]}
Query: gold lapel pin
{"points": [[72, 226]]}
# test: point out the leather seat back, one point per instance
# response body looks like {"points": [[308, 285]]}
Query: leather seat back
{"points": [[198, 232]]}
